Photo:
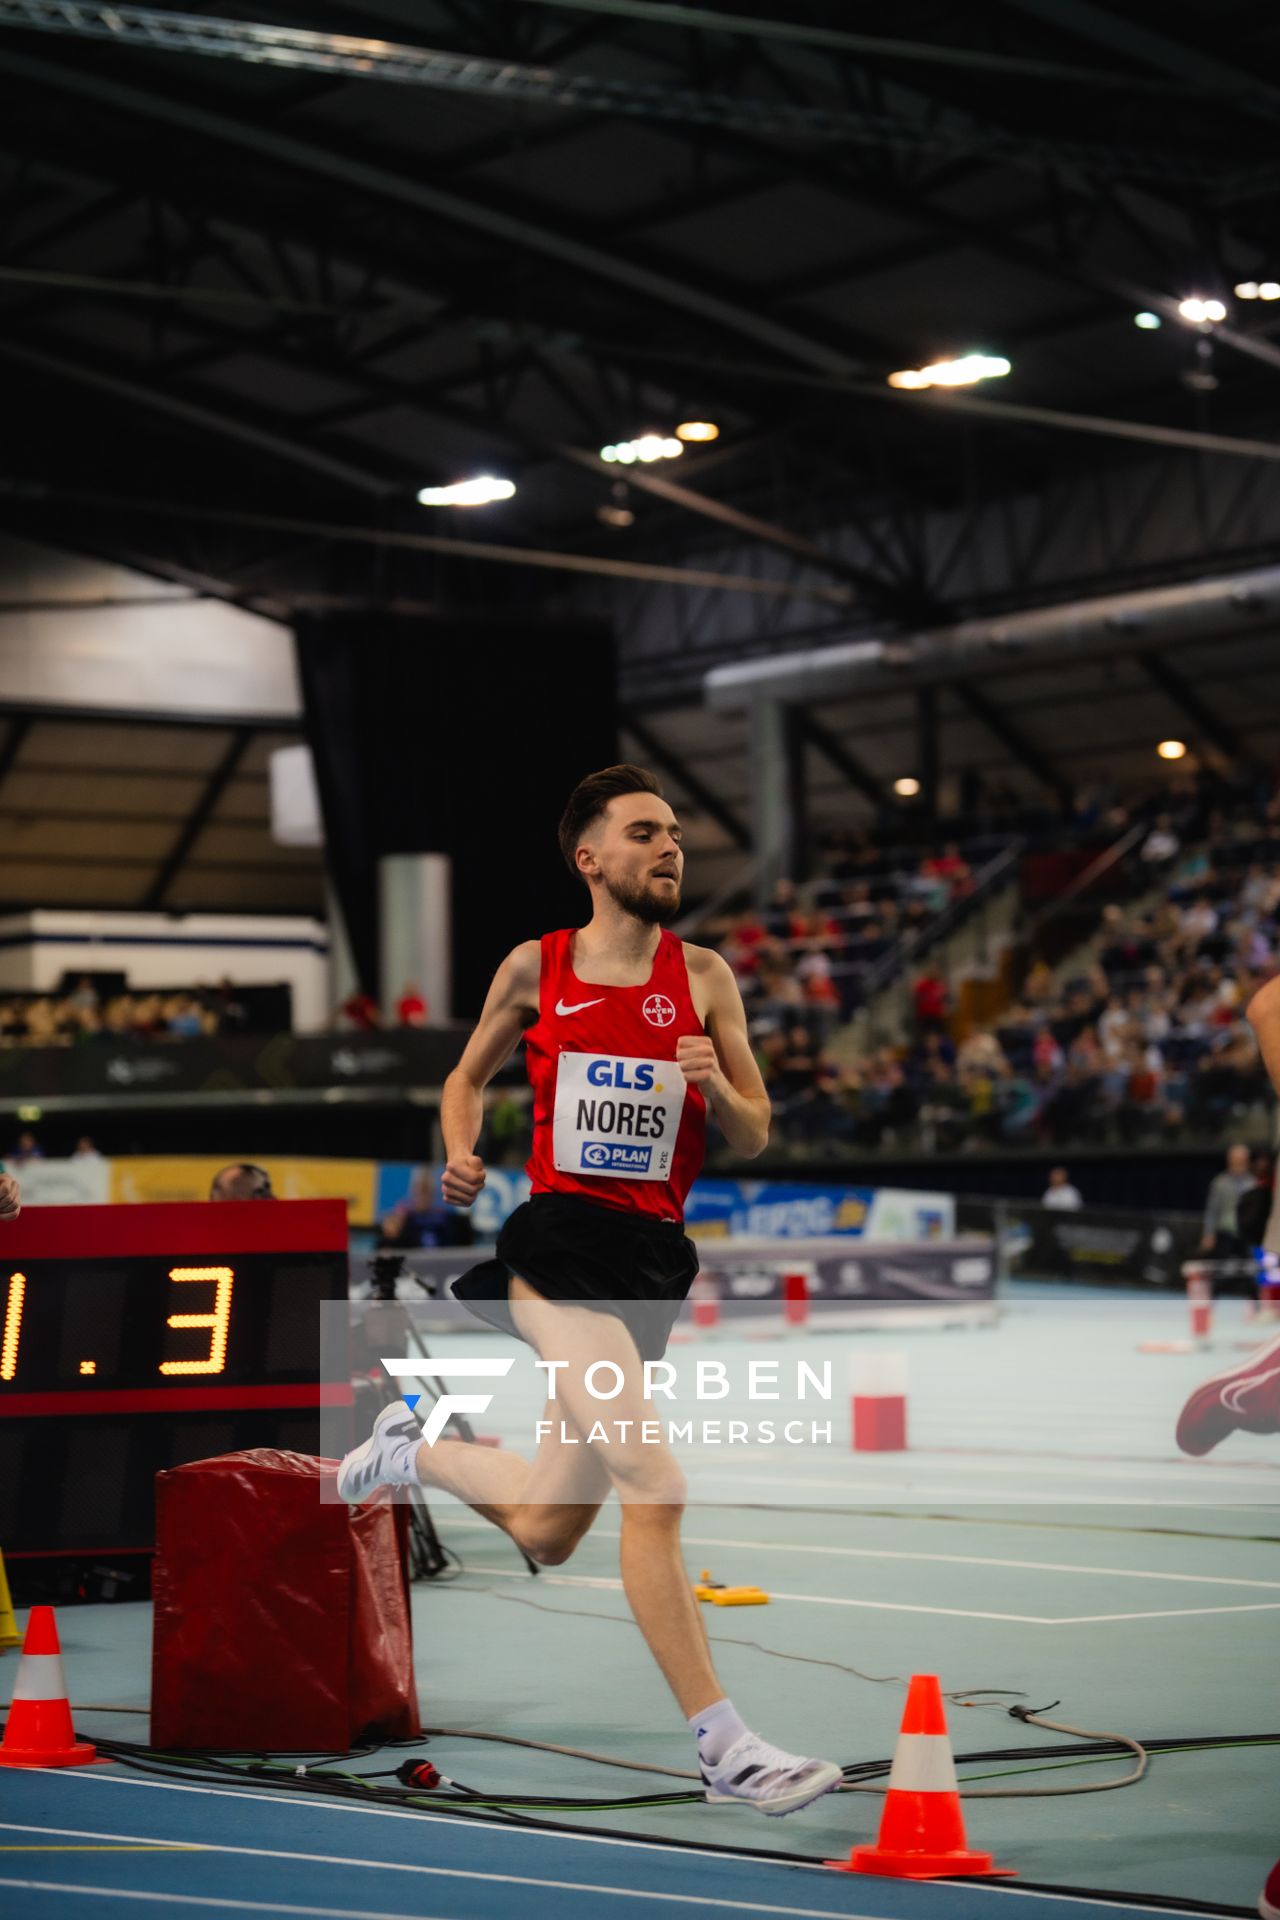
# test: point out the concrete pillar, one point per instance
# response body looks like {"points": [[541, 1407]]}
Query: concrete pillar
{"points": [[342, 971], [770, 793], [414, 924]]}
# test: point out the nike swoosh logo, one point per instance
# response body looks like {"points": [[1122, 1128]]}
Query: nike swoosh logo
{"points": [[562, 1009]]}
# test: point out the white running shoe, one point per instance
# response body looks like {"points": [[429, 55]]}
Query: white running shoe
{"points": [[385, 1460], [766, 1778]]}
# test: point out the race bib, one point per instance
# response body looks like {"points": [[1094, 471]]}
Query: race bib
{"points": [[617, 1116]]}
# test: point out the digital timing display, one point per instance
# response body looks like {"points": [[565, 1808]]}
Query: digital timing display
{"points": [[136, 1338]]}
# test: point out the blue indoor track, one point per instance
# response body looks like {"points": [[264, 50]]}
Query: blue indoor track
{"points": [[1042, 1536]]}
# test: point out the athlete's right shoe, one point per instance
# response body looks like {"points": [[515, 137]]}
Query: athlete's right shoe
{"points": [[766, 1778], [1246, 1396], [1269, 1898], [385, 1460]]}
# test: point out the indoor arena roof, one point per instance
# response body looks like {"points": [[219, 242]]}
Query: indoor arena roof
{"points": [[259, 284]]}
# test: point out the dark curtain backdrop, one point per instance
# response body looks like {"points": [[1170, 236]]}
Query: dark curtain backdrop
{"points": [[462, 737]]}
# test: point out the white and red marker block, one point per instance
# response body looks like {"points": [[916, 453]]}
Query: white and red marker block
{"points": [[878, 1402]]}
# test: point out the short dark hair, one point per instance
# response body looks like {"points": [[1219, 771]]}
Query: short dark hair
{"points": [[590, 798], [246, 1182]]}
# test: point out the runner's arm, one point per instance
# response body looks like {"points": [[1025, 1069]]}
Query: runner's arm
{"points": [[726, 1068], [511, 998]]}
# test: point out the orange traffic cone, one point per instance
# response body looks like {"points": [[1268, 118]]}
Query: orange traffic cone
{"points": [[38, 1732], [922, 1833]]}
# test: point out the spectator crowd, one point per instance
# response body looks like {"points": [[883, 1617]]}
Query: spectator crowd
{"points": [[84, 1013], [1140, 1041]]}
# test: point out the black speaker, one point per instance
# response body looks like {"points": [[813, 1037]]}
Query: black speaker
{"points": [[462, 737]]}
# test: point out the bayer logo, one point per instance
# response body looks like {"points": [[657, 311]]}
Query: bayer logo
{"points": [[658, 1010], [595, 1156]]}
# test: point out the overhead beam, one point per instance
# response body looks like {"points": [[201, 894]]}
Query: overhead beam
{"points": [[336, 532], [511, 227], [198, 819], [682, 773], [838, 755], [378, 390], [19, 728], [928, 759], [1013, 740], [221, 421], [1191, 704]]}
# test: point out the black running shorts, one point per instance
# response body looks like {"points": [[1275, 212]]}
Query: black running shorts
{"points": [[607, 1258]]}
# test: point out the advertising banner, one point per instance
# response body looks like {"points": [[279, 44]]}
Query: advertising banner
{"points": [[785, 1209], [186, 1177], [83, 1181], [1099, 1245]]}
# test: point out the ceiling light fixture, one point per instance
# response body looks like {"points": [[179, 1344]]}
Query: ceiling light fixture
{"points": [[1147, 321], [1202, 312], [907, 787], [649, 447], [1172, 749], [480, 492], [953, 373], [697, 430]]}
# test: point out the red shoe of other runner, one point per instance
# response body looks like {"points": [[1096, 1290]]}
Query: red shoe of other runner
{"points": [[1246, 1396], [1269, 1898]]}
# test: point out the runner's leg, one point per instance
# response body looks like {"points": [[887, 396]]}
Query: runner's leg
{"points": [[645, 1475]]}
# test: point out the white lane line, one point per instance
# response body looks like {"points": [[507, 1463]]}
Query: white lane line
{"points": [[947, 1559], [443, 1873], [803, 1866], [895, 1606], [79, 1777], [809, 1599]]}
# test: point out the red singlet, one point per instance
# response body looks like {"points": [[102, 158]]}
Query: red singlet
{"points": [[613, 1117]]}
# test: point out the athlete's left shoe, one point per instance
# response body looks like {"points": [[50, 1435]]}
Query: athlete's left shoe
{"points": [[766, 1778], [386, 1459], [1269, 1898], [1246, 1396]]}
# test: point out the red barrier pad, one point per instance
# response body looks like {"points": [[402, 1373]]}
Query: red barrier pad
{"points": [[281, 1623]]}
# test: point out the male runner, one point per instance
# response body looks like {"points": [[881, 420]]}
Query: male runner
{"points": [[618, 997]]}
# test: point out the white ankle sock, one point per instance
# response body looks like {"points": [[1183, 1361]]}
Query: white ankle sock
{"points": [[716, 1728]]}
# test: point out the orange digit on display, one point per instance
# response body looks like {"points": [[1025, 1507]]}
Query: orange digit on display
{"points": [[222, 1278], [12, 1326]]}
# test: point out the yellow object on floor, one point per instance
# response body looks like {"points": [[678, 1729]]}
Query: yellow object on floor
{"points": [[721, 1596], [9, 1635]]}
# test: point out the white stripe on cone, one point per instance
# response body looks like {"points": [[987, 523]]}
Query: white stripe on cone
{"points": [[922, 1763], [40, 1677]]}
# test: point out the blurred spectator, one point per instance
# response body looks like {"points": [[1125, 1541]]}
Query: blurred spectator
{"points": [[1060, 1194], [229, 1013], [423, 1220], [1161, 844], [1221, 1236], [509, 1129], [85, 998], [929, 1002], [411, 1008], [359, 1012], [85, 1149], [242, 1180], [952, 869], [27, 1148]]}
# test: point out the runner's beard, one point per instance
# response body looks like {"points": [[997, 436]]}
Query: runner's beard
{"points": [[656, 909]]}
